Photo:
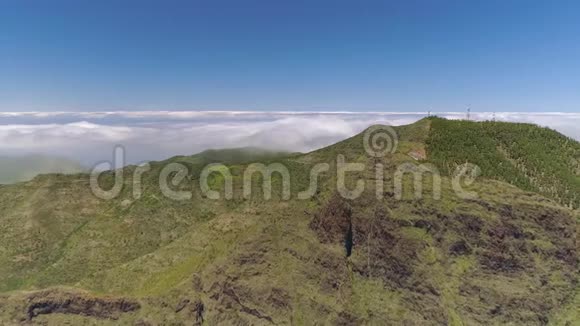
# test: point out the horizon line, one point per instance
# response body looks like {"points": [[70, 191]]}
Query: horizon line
{"points": [[242, 112]]}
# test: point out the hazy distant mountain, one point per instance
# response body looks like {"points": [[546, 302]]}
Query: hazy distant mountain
{"points": [[22, 168], [233, 155]]}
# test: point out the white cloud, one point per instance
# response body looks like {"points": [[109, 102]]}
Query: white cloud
{"points": [[91, 136]]}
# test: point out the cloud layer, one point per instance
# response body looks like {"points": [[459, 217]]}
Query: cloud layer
{"points": [[90, 137]]}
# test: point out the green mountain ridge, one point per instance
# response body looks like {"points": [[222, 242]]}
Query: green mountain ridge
{"points": [[234, 155], [508, 256], [532, 158]]}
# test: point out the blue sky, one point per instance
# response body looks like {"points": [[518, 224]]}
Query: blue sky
{"points": [[289, 55]]}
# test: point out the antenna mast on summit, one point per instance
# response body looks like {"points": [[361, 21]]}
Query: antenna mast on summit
{"points": [[468, 113]]}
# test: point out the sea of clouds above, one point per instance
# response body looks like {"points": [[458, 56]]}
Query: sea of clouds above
{"points": [[90, 137]]}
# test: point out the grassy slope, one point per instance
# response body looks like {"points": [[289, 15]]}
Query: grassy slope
{"points": [[254, 261], [525, 155]]}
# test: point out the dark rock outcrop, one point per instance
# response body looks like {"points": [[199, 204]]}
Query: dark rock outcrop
{"points": [[53, 301]]}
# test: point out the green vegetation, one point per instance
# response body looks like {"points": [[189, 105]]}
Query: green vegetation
{"points": [[234, 156], [527, 156], [507, 257]]}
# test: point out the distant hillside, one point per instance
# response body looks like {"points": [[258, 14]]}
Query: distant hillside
{"points": [[234, 155], [508, 257], [22, 168], [525, 155]]}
